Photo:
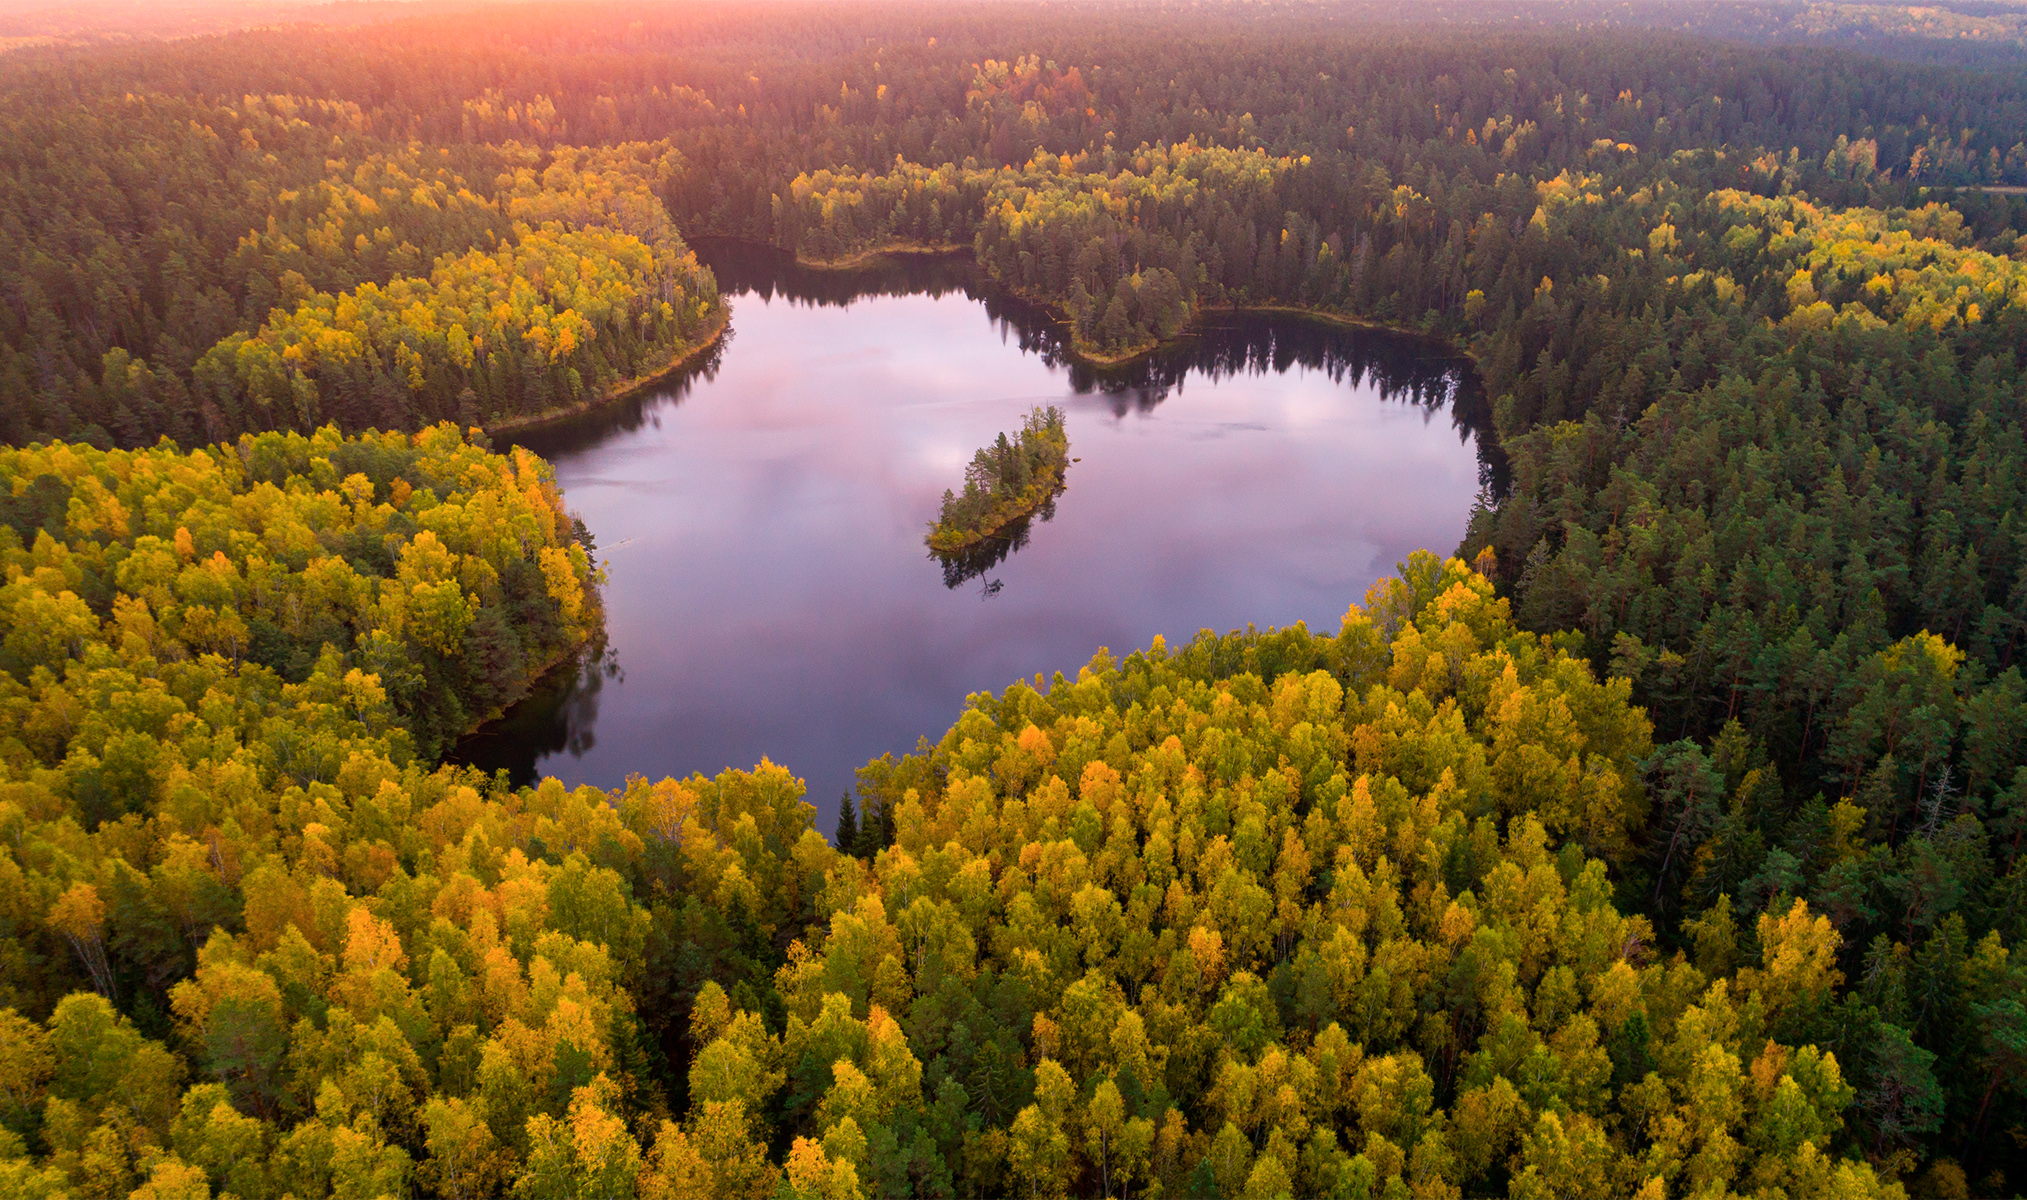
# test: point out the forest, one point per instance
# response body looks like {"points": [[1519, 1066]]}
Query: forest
{"points": [[1662, 839]]}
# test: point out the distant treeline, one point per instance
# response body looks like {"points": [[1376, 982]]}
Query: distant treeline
{"points": [[164, 201]]}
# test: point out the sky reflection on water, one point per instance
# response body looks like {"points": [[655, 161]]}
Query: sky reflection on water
{"points": [[760, 519]]}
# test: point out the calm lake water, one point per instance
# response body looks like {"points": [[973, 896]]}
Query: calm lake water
{"points": [[760, 519]]}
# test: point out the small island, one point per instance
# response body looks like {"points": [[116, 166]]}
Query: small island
{"points": [[1005, 482]]}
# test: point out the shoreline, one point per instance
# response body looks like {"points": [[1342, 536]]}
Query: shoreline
{"points": [[1101, 361], [531, 677], [620, 389], [1319, 315], [715, 332], [1055, 489], [852, 262]]}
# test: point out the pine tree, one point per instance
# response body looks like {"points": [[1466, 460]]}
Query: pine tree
{"points": [[847, 839]]}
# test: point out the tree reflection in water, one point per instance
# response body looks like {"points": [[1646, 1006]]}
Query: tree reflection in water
{"points": [[1404, 368], [724, 684], [557, 716], [962, 566]]}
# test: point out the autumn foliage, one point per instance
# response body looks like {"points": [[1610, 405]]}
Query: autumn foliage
{"points": [[1672, 848], [1269, 913]]}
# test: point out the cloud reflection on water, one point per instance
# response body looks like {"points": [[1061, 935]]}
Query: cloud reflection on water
{"points": [[769, 592]]}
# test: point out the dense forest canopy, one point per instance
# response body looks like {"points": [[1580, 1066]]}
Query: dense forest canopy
{"points": [[299, 269], [1665, 841]]}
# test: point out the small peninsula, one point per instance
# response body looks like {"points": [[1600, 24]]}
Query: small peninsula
{"points": [[1005, 482]]}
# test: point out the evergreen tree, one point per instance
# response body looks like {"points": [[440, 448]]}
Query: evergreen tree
{"points": [[847, 839]]}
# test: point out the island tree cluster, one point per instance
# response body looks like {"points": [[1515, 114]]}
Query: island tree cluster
{"points": [[1005, 482]]}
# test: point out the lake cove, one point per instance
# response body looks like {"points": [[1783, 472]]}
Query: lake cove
{"points": [[760, 518]]}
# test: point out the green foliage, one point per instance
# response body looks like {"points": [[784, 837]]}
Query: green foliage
{"points": [[555, 317], [1302, 908], [1416, 908], [1315, 935], [371, 972], [371, 285], [406, 586], [1005, 482]]}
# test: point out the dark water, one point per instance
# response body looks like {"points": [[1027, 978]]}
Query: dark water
{"points": [[760, 519]]}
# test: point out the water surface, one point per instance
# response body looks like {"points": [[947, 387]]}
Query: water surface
{"points": [[760, 518]]}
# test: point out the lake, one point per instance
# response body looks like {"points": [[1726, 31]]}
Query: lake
{"points": [[760, 516]]}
